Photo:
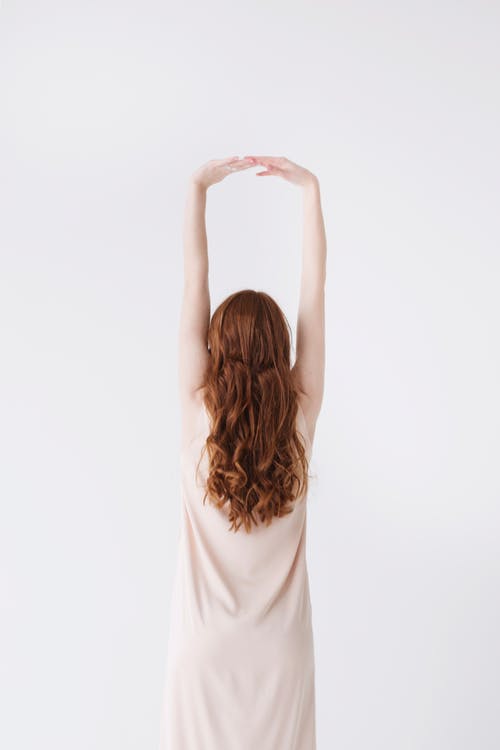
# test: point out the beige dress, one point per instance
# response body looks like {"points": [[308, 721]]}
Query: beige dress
{"points": [[240, 659]]}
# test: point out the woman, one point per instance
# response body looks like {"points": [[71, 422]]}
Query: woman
{"points": [[240, 662]]}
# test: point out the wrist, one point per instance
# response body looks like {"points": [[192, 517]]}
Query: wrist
{"points": [[195, 183], [311, 184]]}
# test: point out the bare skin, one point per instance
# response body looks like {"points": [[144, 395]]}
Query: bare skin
{"points": [[309, 366]]}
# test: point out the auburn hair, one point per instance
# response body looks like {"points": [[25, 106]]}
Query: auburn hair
{"points": [[256, 456]]}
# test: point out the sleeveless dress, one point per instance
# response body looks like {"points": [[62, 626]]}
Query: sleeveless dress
{"points": [[240, 655]]}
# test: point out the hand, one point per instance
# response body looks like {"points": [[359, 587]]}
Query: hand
{"points": [[282, 167], [216, 169]]}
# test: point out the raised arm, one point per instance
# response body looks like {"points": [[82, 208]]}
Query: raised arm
{"points": [[195, 306], [193, 354], [309, 367]]}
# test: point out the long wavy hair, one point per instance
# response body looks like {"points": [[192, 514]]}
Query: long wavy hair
{"points": [[257, 457]]}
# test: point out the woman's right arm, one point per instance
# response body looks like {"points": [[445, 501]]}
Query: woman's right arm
{"points": [[309, 367]]}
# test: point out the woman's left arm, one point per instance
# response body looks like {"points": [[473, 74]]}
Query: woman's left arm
{"points": [[195, 308]]}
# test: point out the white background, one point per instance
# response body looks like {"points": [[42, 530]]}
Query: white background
{"points": [[106, 109]]}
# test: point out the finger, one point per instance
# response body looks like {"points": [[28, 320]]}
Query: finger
{"points": [[266, 159], [271, 168], [260, 156], [263, 174], [265, 162], [229, 159], [244, 163], [238, 165]]}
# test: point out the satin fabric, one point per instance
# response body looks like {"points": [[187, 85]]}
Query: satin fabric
{"points": [[240, 657]]}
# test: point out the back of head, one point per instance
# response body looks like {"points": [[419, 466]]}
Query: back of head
{"points": [[257, 458]]}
